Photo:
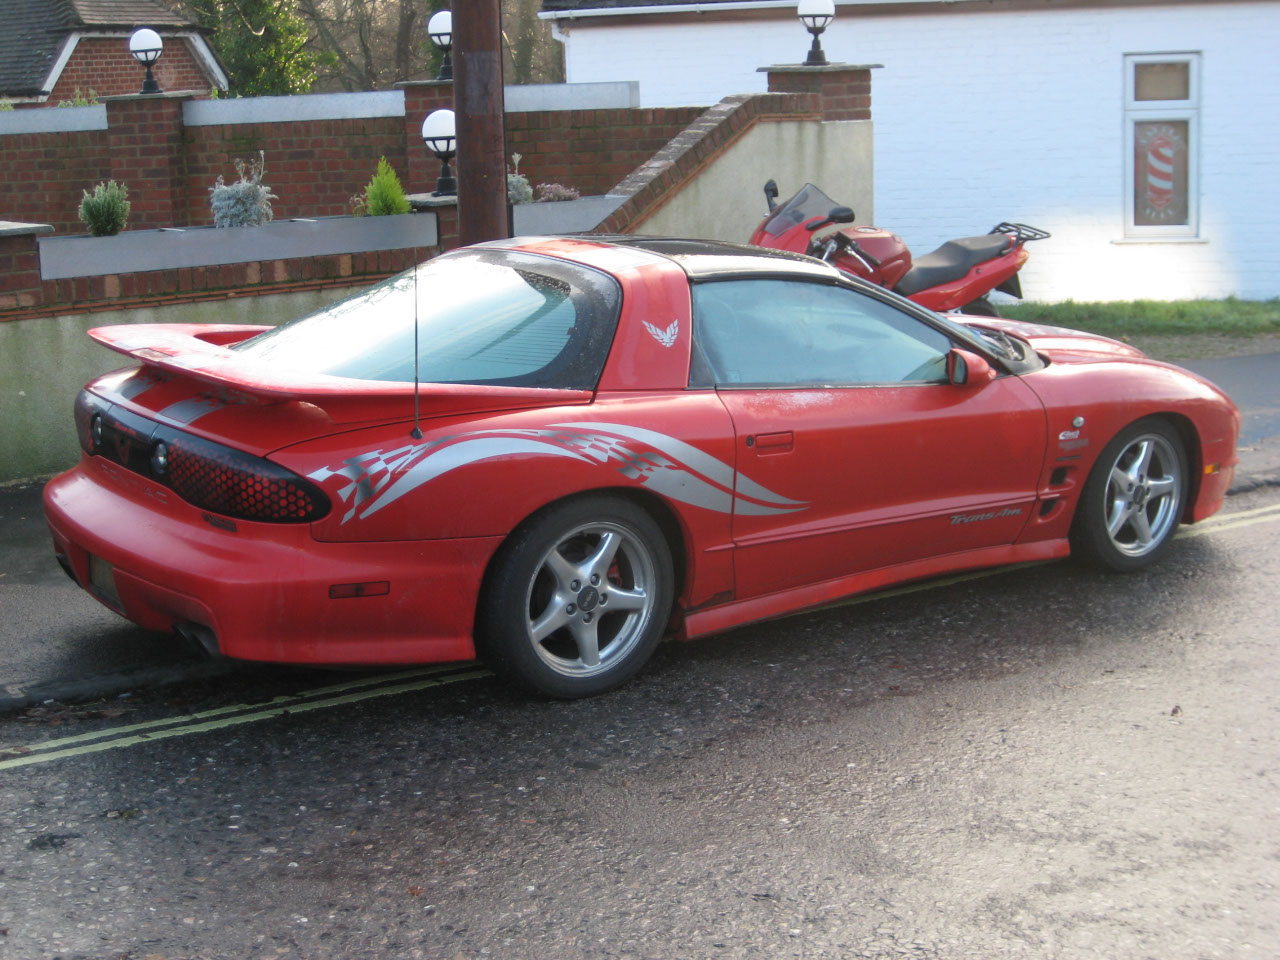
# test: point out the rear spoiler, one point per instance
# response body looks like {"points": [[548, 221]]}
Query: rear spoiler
{"points": [[202, 352]]}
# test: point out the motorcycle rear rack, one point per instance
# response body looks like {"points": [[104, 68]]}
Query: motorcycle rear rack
{"points": [[1021, 232]]}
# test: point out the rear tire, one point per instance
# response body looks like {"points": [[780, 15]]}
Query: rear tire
{"points": [[982, 307], [577, 598], [1132, 502]]}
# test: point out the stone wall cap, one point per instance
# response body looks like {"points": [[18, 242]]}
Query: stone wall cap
{"points": [[162, 95], [11, 228], [823, 68], [428, 201]]}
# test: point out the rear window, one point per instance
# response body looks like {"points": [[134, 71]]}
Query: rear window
{"points": [[483, 316]]}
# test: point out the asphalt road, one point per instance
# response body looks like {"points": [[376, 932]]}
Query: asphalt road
{"points": [[1044, 763]]}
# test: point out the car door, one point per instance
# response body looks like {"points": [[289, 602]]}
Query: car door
{"points": [[841, 404]]}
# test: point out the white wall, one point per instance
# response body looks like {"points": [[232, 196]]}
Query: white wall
{"points": [[988, 116]]}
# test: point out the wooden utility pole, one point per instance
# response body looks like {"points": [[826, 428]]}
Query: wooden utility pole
{"points": [[478, 108]]}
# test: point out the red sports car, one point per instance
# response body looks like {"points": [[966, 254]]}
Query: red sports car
{"points": [[552, 452]]}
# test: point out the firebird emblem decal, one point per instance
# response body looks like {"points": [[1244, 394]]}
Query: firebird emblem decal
{"points": [[662, 463], [665, 337]]}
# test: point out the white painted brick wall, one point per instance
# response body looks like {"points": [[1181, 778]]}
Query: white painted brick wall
{"points": [[988, 116]]}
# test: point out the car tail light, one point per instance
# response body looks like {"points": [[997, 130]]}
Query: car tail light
{"points": [[237, 484], [207, 475], [85, 411]]}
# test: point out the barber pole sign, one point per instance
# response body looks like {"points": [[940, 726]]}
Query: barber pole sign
{"points": [[1160, 173]]}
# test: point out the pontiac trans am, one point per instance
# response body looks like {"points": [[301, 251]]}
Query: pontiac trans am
{"points": [[551, 452]]}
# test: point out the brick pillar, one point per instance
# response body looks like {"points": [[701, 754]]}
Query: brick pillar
{"points": [[420, 99], [843, 89], [447, 226], [20, 265], [148, 155]]}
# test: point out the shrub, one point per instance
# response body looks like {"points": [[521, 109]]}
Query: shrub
{"points": [[78, 99], [518, 189], [384, 195], [245, 203], [6, 106], [106, 210], [552, 192]]}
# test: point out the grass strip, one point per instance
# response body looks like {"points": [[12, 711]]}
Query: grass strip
{"points": [[1118, 319]]}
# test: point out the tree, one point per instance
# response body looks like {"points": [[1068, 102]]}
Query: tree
{"points": [[376, 43], [264, 44], [532, 56]]}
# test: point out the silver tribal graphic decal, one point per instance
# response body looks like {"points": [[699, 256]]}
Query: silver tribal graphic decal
{"points": [[662, 463]]}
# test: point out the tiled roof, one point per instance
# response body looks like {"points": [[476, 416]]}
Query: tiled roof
{"points": [[127, 13], [34, 32], [31, 39]]}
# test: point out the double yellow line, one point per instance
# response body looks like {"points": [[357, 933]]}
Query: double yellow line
{"points": [[1232, 521], [409, 681], [367, 688]]}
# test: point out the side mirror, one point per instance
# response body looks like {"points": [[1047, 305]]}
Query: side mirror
{"points": [[965, 368], [835, 215], [771, 194]]}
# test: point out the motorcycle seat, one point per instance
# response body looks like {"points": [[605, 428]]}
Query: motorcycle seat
{"points": [[951, 261]]}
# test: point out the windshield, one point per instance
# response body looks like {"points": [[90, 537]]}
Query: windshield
{"points": [[810, 202], [483, 316]]}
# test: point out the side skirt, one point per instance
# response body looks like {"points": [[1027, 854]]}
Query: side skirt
{"points": [[728, 615]]}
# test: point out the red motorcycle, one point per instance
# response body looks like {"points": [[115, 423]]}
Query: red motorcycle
{"points": [[956, 276]]}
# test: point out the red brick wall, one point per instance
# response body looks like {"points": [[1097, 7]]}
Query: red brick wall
{"points": [[316, 165], [666, 173], [844, 90], [106, 66], [23, 295], [313, 166], [44, 174], [19, 273], [147, 154], [591, 150]]}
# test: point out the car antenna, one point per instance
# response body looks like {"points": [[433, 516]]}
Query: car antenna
{"points": [[416, 432]]}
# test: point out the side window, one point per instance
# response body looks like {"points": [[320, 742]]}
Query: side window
{"points": [[793, 333], [1162, 115]]}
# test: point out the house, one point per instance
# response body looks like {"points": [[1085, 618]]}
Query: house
{"points": [[50, 49], [1144, 134]]}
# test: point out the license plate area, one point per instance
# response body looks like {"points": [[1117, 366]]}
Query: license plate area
{"points": [[102, 581]]}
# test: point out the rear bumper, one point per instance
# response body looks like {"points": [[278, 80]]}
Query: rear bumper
{"points": [[264, 589]]}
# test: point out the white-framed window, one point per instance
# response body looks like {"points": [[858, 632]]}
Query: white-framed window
{"points": [[1162, 135]]}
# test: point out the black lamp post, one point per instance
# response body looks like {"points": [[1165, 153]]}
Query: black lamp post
{"points": [[815, 15], [440, 134], [440, 30], [146, 47]]}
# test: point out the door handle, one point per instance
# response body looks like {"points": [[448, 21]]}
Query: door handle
{"points": [[780, 442]]}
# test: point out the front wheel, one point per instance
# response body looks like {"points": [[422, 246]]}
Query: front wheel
{"points": [[577, 598], [1131, 504]]}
